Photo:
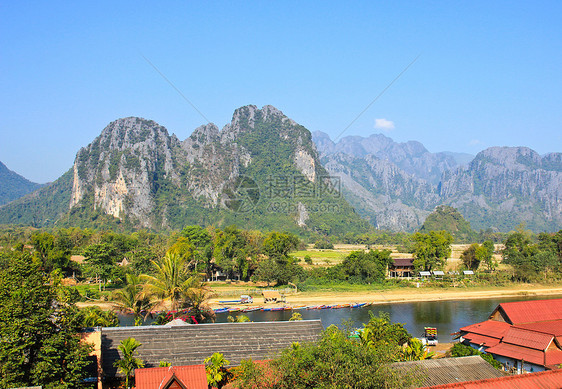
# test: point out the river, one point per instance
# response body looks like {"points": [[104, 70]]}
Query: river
{"points": [[446, 316]]}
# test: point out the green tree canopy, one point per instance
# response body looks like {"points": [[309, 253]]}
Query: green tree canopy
{"points": [[447, 218], [431, 250], [335, 361], [39, 325], [128, 361]]}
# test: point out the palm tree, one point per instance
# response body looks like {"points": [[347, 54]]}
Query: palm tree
{"points": [[132, 298], [217, 372], [128, 362], [197, 297], [171, 282]]}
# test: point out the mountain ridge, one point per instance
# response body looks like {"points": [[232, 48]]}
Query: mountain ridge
{"points": [[135, 173], [396, 185], [13, 185]]}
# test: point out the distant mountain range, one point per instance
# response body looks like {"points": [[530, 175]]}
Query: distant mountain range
{"points": [[13, 186], [396, 185], [265, 171]]}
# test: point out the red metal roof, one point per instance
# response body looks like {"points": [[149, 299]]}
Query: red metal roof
{"points": [[192, 377], [481, 340], [553, 357], [541, 380], [553, 327], [532, 311], [527, 338], [519, 353], [492, 328]]}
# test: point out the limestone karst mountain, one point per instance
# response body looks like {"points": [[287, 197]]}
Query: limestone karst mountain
{"points": [[265, 171], [396, 185], [260, 171]]}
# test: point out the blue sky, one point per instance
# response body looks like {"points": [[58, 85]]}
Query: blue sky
{"points": [[489, 73]]}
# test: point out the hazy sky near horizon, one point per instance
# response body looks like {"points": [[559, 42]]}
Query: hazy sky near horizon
{"points": [[488, 73]]}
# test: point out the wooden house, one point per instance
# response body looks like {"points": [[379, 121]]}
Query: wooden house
{"points": [[401, 267]]}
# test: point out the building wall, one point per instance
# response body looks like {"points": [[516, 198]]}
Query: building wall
{"points": [[519, 367]]}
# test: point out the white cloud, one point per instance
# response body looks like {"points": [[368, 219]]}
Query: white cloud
{"points": [[474, 142], [383, 124]]}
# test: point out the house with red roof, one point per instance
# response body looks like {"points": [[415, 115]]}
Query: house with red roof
{"points": [[545, 380], [525, 336], [172, 377]]}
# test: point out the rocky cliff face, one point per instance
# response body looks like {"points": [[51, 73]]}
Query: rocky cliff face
{"points": [[396, 185], [137, 172], [506, 185], [263, 170], [412, 157], [121, 170]]}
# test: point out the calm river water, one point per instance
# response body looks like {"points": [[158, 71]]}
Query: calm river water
{"points": [[447, 316]]}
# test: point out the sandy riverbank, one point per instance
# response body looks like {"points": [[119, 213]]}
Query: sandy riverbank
{"points": [[407, 295], [401, 295]]}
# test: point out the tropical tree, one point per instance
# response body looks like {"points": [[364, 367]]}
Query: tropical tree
{"points": [[170, 282], [173, 284], [431, 250], [415, 350], [96, 317], [128, 362], [132, 298], [39, 328], [489, 257], [335, 361], [197, 298], [381, 331], [99, 262], [217, 372], [473, 255]]}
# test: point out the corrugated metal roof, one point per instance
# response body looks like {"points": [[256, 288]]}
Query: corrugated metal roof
{"points": [[532, 311], [527, 338], [519, 353], [190, 345], [193, 377], [541, 380], [403, 261], [553, 327], [492, 328], [447, 370], [481, 340], [553, 357]]}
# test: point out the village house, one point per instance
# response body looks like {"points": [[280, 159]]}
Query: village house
{"points": [[172, 377], [401, 267], [443, 371], [189, 345], [545, 379], [525, 336]]}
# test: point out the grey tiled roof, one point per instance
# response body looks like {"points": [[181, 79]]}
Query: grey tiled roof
{"points": [[191, 344], [448, 370]]}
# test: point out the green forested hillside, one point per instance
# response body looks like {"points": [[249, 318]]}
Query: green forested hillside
{"points": [[13, 186]]}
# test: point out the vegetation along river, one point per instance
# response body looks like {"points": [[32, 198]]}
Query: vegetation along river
{"points": [[447, 316]]}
